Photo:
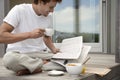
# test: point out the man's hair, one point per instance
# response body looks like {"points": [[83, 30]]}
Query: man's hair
{"points": [[46, 1]]}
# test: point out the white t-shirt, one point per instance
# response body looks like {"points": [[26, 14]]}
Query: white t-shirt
{"points": [[23, 18]]}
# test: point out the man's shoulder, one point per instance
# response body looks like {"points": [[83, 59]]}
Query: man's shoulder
{"points": [[23, 6]]}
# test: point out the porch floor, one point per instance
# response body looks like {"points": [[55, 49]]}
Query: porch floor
{"points": [[96, 61]]}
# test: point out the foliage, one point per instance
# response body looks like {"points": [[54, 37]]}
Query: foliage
{"points": [[87, 37]]}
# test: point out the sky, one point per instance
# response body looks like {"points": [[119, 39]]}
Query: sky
{"points": [[89, 19]]}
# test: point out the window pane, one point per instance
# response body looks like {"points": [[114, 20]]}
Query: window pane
{"points": [[64, 20], [76, 18], [89, 20]]}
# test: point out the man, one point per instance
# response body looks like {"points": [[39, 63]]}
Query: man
{"points": [[24, 29]]}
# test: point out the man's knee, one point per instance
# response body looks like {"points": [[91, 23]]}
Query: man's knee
{"points": [[11, 61]]}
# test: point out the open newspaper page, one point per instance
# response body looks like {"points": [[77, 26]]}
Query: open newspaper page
{"points": [[70, 48], [81, 59], [84, 53]]}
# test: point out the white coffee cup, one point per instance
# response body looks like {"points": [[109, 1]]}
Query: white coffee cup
{"points": [[49, 31], [74, 68]]}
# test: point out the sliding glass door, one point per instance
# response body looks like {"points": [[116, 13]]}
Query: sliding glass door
{"points": [[79, 18], [90, 23]]}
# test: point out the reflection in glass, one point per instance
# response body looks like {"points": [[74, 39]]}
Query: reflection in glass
{"points": [[89, 20], [76, 18]]}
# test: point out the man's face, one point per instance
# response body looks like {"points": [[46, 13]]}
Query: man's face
{"points": [[45, 9]]}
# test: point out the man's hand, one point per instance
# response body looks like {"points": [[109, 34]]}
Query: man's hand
{"points": [[37, 33], [55, 50]]}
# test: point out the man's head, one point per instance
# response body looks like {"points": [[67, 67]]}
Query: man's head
{"points": [[44, 7]]}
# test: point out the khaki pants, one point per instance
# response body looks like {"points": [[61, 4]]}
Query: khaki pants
{"points": [[16, 61]]}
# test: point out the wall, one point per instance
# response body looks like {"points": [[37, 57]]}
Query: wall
{"points": [[14, 2], [3, 11], [113, 24]]}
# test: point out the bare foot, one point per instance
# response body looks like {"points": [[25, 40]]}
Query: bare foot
{"points": [[38, 70], [27, 72], [23, 72]]}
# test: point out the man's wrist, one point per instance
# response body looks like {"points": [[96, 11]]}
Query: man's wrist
{"points": [[28, 35]]}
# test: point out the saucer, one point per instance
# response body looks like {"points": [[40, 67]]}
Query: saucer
{"points": [[55, 73]]}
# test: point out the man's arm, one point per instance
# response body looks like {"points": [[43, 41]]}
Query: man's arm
{"points": [[50, 45], [7, 37]]}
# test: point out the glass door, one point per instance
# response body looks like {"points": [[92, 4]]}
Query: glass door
{"points": [[90, 23], [79, 18]]}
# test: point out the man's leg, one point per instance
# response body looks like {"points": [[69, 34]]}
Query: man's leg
{"points": [[22, 64], [41, 55], [50, 65]]}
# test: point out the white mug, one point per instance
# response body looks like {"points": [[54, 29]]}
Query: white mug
{"points": [[49, 31]]}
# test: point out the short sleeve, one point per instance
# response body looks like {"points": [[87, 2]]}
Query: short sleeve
{"points": [[50, 21], [12, 17]]}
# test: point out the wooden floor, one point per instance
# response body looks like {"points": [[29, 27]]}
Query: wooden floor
{"points": [[97, 60]]}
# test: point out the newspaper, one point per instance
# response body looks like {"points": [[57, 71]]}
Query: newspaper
{"points": [[72, 49]]}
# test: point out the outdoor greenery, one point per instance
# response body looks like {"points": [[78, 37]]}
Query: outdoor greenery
{"points": [[87, 37]]}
